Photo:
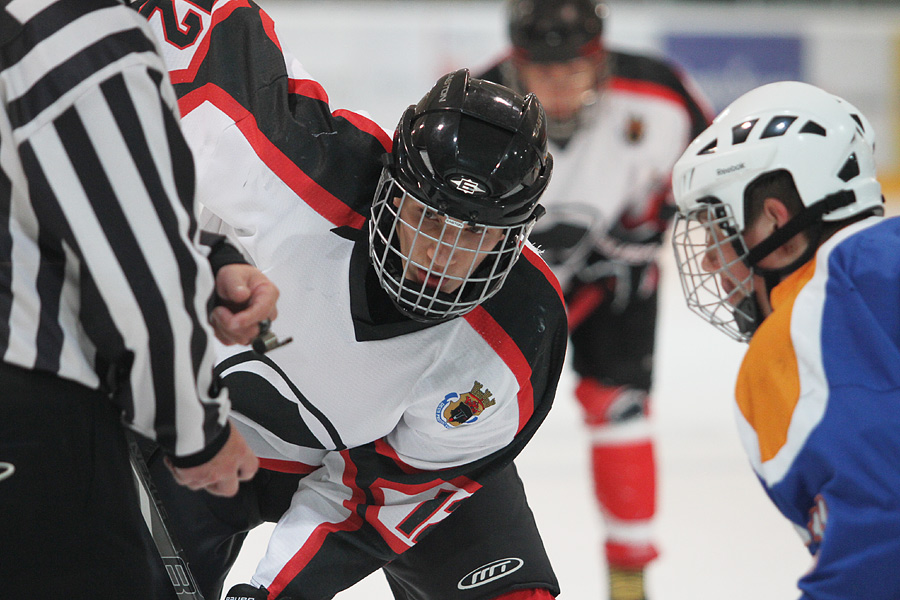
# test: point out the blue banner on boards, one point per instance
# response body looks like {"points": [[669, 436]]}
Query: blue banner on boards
{"points": [[726, 66]]}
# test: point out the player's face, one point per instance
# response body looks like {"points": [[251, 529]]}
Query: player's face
{"points": [[722, 258], [440, 252], [562, 87]]}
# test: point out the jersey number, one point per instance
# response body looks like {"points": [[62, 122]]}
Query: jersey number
{"points": [[180, 34], [425, 512]]}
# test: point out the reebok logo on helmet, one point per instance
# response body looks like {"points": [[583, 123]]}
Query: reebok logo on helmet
{"points": [[730, 169]]}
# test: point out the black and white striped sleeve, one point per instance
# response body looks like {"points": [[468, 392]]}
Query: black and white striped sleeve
{"points": [[104, 239]]}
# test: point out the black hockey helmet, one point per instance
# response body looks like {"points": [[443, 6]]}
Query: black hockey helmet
{"points": [[473, 156], [555, 30], [474, 150]]}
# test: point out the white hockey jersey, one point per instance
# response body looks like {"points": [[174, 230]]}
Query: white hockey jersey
{"points": [[395, 421], [610, 195]]}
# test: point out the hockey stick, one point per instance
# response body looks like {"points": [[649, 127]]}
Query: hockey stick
{"points": [[158, 523], [152, 508]]}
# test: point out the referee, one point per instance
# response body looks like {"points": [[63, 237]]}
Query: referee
{"points": [[103, 300]]}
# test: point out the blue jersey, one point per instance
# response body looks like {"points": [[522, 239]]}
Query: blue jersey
{"points": [[818, 399]]}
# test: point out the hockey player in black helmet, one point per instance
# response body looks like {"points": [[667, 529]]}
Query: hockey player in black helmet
{"points": [[453, 210], [617, 122], [558, 54], [429, 335]]}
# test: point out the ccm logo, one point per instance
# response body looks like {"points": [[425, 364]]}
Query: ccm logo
{"points": [[490, 572]]}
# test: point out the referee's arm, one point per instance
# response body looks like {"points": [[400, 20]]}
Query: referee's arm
{"points": [[117, 171]]}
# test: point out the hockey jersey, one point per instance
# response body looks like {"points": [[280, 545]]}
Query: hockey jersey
{"points": [[818, 407], [610, 195], [394, 421]]}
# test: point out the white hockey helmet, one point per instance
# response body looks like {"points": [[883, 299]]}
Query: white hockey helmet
{"points": [[821, 140]]}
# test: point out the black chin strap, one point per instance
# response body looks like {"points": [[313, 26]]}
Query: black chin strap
{"points": [[807, 220], [804, 220]]}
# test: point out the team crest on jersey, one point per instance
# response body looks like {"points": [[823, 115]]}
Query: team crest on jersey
{"points": [[463, 409], [634, 131]]}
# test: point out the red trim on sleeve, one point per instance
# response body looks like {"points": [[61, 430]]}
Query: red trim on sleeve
{"points": [[385, 449], [541, 265], [367, 125], [269, 27], [648, 88], [286, 466], [317, 538], [662, 197], [308, 88], [219, 14], [507, 349], [312, 89], [317, 197]]}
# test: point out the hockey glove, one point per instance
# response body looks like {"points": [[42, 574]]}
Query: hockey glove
{"points": [[245, 591]]}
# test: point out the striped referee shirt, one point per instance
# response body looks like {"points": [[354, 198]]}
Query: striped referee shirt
{"points": [[101, 278]]}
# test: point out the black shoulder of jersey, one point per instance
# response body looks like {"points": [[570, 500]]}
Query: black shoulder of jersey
{"points": [[246, 64], [651, 69], [530, 309]]}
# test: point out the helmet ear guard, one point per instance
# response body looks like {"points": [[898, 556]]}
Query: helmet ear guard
{"points": [[822, 142]]}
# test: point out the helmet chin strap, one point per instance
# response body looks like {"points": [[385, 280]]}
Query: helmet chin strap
{"points": [[810, 220], [805, 219]]}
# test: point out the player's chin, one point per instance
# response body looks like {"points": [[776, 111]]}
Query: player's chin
{"points": [[433, 284], [435, 281]]}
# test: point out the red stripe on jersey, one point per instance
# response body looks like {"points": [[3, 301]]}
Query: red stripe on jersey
{"points": [[647, 88], [482, 322], [385, 449], [219, 14], [286, 466], [308, 88], [269, 27], [317, 197], [542, 266], [367, 125], [317, 538], [651, 214]]}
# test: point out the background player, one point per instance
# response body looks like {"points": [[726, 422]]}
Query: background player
{"points": [[429, 337], [779, 240], [617, 122]]}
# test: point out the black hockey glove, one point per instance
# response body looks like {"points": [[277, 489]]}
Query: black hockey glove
{"points": [[622, 260], [626, 281], [245, 591]]}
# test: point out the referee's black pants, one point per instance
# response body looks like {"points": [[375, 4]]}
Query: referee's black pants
{"points": [[70, 522]]}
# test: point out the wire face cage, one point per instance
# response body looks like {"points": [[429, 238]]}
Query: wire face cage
{"points": [[433, 266], [709, 256]]}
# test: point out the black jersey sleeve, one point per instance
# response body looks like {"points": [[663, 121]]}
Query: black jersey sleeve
{"points": [[234, 80]]}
